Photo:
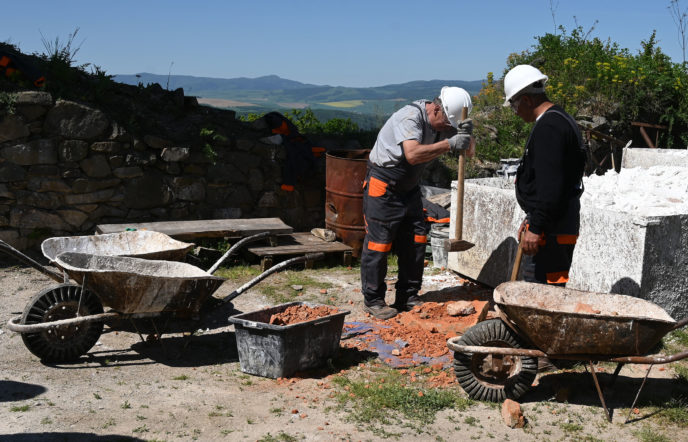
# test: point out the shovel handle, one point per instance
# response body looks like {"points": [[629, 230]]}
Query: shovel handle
{"points": [[517, 260], [458, 226]]}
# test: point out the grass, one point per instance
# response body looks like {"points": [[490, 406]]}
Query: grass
{"points": [[676, 341], [182, 377], [681, 373], [674, 412], [648, 434], [20, 408], [141, 429], [281, 437], [238, 273], [570, 427], [282, 292], [384, 398]]}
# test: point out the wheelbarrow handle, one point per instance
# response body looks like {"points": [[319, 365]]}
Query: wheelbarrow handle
{"points": [[680, 324], [232, 250], [271, 270], [9, 250]]}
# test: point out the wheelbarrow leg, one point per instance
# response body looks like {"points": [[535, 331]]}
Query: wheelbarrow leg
{"points": [[616, 373], [630, 410], [137, 329], [158, 336], [599, 391]]}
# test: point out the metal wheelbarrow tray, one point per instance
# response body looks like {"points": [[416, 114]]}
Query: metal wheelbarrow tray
{"points": [[137, 244], [134, 285], [562, 321], [493, 361]]}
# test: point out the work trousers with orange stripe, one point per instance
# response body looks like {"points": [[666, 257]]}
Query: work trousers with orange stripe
{"points": [[394, 222], [552, 262]]}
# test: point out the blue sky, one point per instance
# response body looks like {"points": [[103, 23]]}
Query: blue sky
{"points": [[342, 43]]}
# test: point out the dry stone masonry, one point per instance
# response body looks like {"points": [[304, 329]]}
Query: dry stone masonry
{"points": [[66, 167]]}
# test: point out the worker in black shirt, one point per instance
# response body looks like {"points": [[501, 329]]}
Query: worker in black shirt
{"points": [[549, 178]]}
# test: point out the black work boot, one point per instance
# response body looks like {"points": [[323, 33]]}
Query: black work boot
{"points": [[380, 310], [406, 305]]}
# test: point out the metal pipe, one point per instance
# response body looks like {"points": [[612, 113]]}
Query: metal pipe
{"points": [[495, 350], [659, 359], [236, 247], [271, 270], [9, 250], [13, 323]]}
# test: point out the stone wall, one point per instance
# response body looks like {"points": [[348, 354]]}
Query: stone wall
{"points": [[66, 167]]}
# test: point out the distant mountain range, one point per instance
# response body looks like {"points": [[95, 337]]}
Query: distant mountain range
{"points": [[366, 106]]}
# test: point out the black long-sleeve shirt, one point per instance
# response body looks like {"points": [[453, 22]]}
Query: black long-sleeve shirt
{"points": [[548, 181]]}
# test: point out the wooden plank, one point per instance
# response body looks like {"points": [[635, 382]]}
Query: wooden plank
{"points": [[298, 244], [209, 228], [640, 124]]}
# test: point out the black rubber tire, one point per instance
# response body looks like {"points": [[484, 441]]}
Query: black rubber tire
{"points": [[485, 387], [67, 343]]}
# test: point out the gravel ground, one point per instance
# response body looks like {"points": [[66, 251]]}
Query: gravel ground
{"points": [[178, 388]]}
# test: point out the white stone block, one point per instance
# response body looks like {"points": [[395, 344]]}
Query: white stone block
{"points": [[617, 252], [647, 157]]}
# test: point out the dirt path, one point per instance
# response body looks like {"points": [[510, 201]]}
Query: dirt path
{"points": [[181, 389]]}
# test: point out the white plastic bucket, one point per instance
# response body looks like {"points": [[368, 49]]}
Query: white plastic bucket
{"points": [[437, 237]]}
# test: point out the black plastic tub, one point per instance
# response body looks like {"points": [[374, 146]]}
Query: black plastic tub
{"points": [[275, 351]]}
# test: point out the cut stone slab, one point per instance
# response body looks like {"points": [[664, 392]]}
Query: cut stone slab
{"points": [[617, 252], [647, 157]]}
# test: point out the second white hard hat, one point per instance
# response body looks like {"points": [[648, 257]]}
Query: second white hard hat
{"points": [[519, 78], [454, 99]]}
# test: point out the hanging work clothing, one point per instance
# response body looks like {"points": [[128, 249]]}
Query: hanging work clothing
{"points": [[434, 213], [392, 207], [301, 154], [548, 189]]}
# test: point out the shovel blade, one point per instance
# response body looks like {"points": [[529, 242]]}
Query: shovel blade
{"points": [[457, 245]]}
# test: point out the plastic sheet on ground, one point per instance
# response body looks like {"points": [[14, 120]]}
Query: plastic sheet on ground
{"points": [[367, 336]]}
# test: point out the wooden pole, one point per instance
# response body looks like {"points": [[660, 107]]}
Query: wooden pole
{"points": [[458, 226]]}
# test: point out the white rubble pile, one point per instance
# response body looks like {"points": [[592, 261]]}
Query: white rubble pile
{"points": [[655, 191]]}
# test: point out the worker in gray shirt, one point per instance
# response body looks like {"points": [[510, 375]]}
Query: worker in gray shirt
{"points": [[393, 212]]}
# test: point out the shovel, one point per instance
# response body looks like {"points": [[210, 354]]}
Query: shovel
{"points": [[517, 261], [457, 244]]}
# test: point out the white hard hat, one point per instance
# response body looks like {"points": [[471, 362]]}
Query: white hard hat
{"points": [[519, 78], [454, 99]]}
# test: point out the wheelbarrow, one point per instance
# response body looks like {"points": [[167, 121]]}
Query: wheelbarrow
{"points": [[137, 244], [63, 322], [498, 358]]}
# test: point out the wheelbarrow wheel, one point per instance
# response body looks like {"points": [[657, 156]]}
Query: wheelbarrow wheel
{"points": [[64, 343], [488, 377]]}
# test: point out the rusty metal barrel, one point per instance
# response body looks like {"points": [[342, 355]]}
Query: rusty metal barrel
{"points": [[345, 172]]}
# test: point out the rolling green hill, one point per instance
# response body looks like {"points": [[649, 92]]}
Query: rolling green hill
{"points": [[367, 107]]}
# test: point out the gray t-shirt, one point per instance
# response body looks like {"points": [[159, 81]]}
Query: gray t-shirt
{"points": [[408, 123]]}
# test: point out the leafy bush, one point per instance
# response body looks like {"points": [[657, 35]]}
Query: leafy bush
{"points": [[499, 131], [590, 77]]}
